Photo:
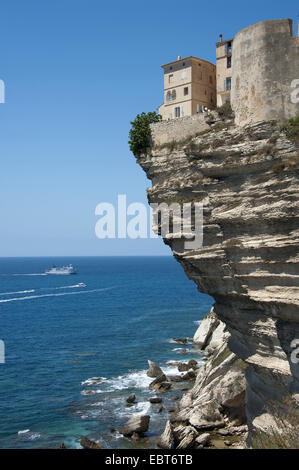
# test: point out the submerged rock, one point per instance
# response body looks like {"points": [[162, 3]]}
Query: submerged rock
{"points": [[155, 400], [131, 399], [137, 424], [88, 444], [180, 340]]}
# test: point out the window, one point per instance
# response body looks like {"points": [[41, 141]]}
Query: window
{"points": [[211, 79], [227, 84], [171, 95], [229, 62], [171, 78], [228, 48], [177, 112], [186, 91]]}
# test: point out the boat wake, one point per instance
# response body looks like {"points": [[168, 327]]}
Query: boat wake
{"points": [[30, 297], [18, 292], [28, 274]]}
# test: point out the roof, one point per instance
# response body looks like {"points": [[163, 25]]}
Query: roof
{"points": [[187, 58], [224, 42]]}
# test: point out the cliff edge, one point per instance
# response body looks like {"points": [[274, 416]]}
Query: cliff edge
{"points": [[247, 179]]}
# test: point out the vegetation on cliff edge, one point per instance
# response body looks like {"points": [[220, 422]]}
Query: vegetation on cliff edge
{"points": [[140, 132], [225, 111], [291, 128]]}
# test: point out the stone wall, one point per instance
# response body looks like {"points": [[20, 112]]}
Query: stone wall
{"points": [[265, 62], [177, 129]]}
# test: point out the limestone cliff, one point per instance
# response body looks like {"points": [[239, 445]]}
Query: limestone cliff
{"points": [[247, 179]]}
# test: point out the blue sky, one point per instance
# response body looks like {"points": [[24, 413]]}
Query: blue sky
{"points": [[76, 73]]}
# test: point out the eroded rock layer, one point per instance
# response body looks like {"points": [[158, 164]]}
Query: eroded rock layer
{"points": [[247, 180]]}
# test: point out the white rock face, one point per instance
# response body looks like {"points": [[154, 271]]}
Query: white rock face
{"points": [[166, 439], [205, 329], [203, 439], [219, 336], [247, 180], [185, 436], [211, 333], [138, 424]]}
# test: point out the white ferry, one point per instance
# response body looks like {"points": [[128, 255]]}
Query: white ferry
{"points": [[66, 270]]}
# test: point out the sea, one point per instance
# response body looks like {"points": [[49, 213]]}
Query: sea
{"points": [[76, 346]]}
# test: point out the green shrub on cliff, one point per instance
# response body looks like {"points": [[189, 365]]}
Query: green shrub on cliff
{"points": [[225, 111], [291, 128], [140, 132]]}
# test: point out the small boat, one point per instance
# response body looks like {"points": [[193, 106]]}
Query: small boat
{"points": [[81, 284], [66, 270]]}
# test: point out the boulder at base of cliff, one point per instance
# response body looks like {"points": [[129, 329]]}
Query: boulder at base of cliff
{"points": [[184, 437], [88, 444], [203, 439], [207, 416], [137, 424], [205, 330], [154, 370], [160, 384], [183, 367], [166, 440]]}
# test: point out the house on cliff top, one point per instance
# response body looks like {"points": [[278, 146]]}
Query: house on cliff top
{"points": [[189, 87], [257, 71]]}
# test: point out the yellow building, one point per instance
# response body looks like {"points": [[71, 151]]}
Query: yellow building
{"points": [[224, 70], [189, 87]]}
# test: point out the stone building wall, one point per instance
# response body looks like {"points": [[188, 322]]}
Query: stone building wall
{"points": [[265, 65], [177, 129]]}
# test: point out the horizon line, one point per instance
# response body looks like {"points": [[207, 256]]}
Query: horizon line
{"points": [[88, 256]]}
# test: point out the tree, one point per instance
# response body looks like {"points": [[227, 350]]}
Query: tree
{"points": [[140, 132]]}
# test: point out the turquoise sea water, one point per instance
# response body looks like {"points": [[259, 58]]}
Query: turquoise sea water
{"points": [[59, 335]]}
